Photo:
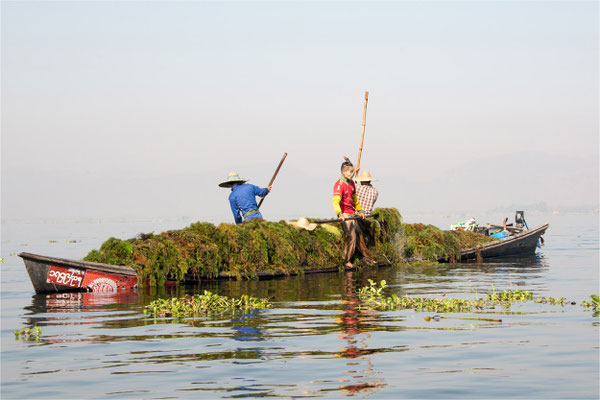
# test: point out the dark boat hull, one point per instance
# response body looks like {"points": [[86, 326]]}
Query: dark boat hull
{"points": [[51, 275], [524, 243]]}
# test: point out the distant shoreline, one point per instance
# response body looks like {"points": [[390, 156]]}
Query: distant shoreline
{"points": [[220, 219]]}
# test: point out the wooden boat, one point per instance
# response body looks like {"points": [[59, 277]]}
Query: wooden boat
{"points": [[49, 274], [52, 275], [522, 243]]}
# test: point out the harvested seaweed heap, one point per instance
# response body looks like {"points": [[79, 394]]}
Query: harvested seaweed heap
{"points": [[422, 242], [263, 248], [249, 250]]}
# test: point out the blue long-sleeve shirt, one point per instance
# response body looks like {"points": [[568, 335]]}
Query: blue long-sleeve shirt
{"points": [[242, 199]]}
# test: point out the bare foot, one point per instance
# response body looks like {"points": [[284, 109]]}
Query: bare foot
{"points": [[349, 265]]}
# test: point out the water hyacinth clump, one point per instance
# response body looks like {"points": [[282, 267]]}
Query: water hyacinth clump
{"points": [[594, 304], [510, 296], [203, 304], [373, 297], [29, 334]]}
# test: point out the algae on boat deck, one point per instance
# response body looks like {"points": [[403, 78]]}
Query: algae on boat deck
{"points": [[204, 250]]}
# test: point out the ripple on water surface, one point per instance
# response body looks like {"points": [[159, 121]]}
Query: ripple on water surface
{"points": [[316, 342]]}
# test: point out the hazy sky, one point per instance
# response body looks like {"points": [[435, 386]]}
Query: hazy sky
{"points": [[142, 108]]}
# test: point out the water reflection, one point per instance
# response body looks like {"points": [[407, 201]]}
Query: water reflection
{"points": [[356, 341], [305, 292], [81, 301], [316, 323], [244, 328]]}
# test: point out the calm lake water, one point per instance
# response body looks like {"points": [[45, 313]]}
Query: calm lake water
{"points": [[314, 342]]}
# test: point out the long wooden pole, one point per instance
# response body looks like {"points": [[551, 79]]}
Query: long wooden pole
{"points": [[362, 136], [274, 176]]}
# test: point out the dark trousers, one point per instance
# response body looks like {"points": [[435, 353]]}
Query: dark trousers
{"points": [[354, 239]]}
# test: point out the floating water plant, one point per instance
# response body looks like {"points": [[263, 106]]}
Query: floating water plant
{"points": [[594, 304], [510, 296], [553, 301], [29, 334], [203, 304], [372, 297]]}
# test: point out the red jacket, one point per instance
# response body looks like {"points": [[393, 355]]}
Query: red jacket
{"points": [[344, 197]]}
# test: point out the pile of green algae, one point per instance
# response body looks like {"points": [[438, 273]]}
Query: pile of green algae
{"points": [[258, 248]]}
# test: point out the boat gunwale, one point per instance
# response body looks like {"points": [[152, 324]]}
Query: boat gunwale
{"points": [[116, 269]]}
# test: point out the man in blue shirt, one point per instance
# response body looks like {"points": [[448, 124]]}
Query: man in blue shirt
{"points": [[242, 198]]}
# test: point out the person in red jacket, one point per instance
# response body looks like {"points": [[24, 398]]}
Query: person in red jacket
{"points": [[345, 204]]}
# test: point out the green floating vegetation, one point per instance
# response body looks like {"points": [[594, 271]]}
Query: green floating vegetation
{"points": [[203, 304], [372, 297], [510, 296], [29, 334], [594, 304], [428, 243]]}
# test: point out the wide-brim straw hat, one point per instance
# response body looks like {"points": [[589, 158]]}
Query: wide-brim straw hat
{"points": [[232, 179], [304, 224], [365, 176]]}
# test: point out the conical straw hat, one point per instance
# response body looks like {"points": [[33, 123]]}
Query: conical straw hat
{"points": [[232, 179]]}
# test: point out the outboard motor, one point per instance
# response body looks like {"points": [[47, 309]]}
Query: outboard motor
{"points": [[520, 219]]}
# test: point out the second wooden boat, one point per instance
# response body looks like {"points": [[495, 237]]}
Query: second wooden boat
{"points": [[524, 243]]}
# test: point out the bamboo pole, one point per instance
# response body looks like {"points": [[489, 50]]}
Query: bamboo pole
{"points": [[362, 136], [274, 176]]}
